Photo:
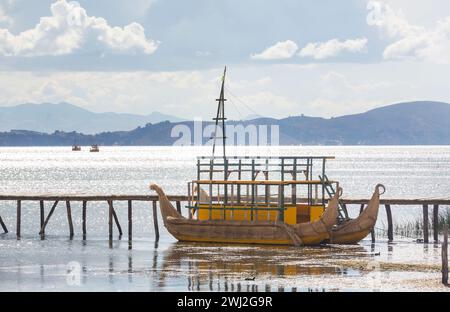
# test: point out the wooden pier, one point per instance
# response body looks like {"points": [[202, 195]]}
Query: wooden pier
{"points": [[56, 201]]}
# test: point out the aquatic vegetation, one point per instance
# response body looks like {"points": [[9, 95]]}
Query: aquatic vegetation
{"points": [[414, 228]]}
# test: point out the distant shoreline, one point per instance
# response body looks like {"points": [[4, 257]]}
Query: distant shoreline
{"points": [[414, 123]]}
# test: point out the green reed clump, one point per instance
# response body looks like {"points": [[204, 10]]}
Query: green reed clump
{"points": [[414, 228], [444, 219]]}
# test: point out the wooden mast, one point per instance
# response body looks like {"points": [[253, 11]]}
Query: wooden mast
{"points": [[220, 117]]}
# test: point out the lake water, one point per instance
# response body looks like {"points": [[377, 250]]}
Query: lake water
{"points": [[33, 264]]}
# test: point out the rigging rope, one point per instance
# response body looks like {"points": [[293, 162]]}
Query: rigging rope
{"points": [[238, 99]]}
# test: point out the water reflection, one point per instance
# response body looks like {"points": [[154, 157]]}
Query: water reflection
{"points": [[243, 268], [170, 266]]}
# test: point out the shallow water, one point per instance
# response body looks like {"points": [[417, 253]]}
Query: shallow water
{"points": [[58, 263]]}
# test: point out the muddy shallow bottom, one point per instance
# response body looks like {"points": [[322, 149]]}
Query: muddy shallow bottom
{"points": [[58, 264]]}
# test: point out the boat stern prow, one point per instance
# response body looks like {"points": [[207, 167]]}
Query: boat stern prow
{"points": [[352, 231], [330, 215], [316, 232], [166, 207]]}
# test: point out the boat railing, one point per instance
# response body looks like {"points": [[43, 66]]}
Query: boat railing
{"points": [[291, 175], [252, 195]]}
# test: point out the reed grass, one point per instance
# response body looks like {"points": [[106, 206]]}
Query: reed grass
{"points": [[414, 228]]}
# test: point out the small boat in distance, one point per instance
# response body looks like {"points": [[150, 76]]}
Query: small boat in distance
{"points": [[76, 147], [94, 148]]}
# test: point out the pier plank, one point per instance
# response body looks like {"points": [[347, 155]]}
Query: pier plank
{"points": [[185, 198]]}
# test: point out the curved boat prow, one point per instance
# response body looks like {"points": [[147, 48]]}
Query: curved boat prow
{"points": [[352, 231], [329, 217], [167, 209], [313, 233]]}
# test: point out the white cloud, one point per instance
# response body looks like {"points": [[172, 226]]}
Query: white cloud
{"points": [[280, 50], [412, 41], [5, 20], [325, 89], [69, 29], [323, 50]]}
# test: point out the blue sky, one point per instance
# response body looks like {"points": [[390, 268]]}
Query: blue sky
{"points": [[320, 58]]}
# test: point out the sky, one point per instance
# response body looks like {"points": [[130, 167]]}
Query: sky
{"points": [[284, 57]]}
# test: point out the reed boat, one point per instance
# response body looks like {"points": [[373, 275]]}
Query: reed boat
{"points": [[353, 230], [244, 232], [286, 200]]}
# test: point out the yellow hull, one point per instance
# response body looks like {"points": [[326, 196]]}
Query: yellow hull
{"points": [[313, 240]]}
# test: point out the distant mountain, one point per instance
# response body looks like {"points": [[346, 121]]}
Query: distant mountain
{"points": [[48, 118], [252, 117], [413, 123]]}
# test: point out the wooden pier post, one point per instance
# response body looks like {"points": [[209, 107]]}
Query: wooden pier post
{"points": [[372, 235], [5, 229], [178, 206], [84, 218], [42, 232], [42, 212], [19, 217], [425, 224], [444, 255], [390, 225], [130, 220], [155, 220], [69, 218], [110, 221], [436, 223], [116, 220]]}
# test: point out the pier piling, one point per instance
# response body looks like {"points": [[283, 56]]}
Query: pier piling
{"points": [[436, 223], [116, 220], [69, 219], [178, 204], [110, 221], [444, 254], [42, 212], [425, 224], [84, 218], [155, 220], [42, 232], [130, 220], [390, 224], [5, 229], [19, 218]]}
